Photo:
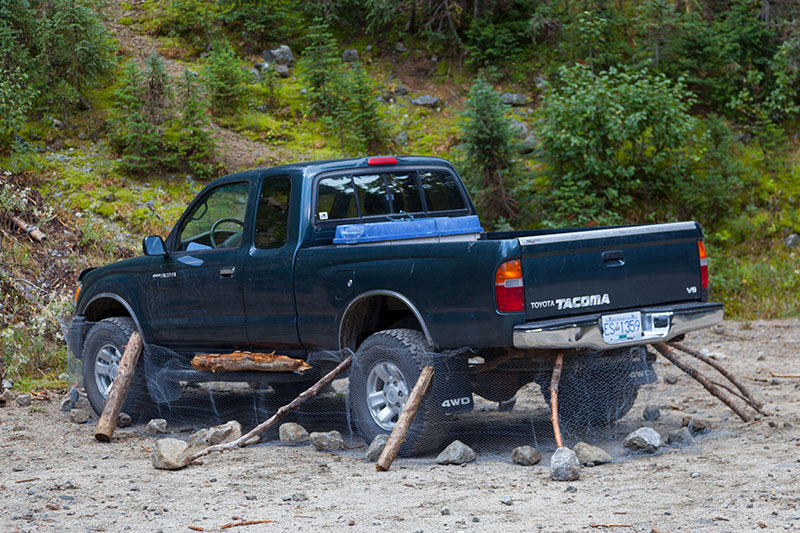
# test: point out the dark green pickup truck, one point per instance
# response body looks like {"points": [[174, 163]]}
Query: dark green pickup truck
{"points": [[385, 257]]}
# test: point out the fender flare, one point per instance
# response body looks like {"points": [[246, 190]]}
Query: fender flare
{"points": [[122, 302], [393, 294]]}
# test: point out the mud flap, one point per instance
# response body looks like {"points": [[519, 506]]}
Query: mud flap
{"points": [[451, 383], [642, 371]]}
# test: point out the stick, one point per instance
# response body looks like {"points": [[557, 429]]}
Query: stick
{"points": [[280, 413], [719, 368], [246, 523], [119, 388], [776, 375], [404, 421], [694, 373], [31, 230], [554, 398]]}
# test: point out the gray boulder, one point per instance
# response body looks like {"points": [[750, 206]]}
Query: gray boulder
{"points": [[170, 454], [792, 241], [520, 129], [256, 74], [588, 454], [646, 440], [651, 413], [696, 425], [291, 433], [682, 437], [227, 432], [514, 99], [401, 90], [350, 55], [328, 440], [426, 100], [79, 416], [24, 400], [281, 55], [525, 455], [156, 426], [376, 447], [124, 420], [9, 396], [199, 438], [528, 144], [456, 453], [564, 465], [282, 71]]}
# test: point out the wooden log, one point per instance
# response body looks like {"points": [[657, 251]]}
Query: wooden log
{"points": [[119, 388], [280, 413], [749, 398], [789, 376], [407, 415], [664, 350], [240, 361], [30, 229], [554, 398]]}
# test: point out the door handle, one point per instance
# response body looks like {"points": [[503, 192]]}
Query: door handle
{"points": [[227, 272]]}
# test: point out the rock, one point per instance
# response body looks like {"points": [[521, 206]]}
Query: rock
{"points": [[683, 437], [24, 400], [646, 440], [792, 241], [292, 433], [227, 432], [696, 425], [156, 426], [170, 454], [457, 453], [329, 440], [587, 453], [651, 413], [67, 403], [256, 74], [444, 511], [671, 379], [571, 488], [426, 100], [400, 47], [376, 447], [281, 55], [9, 396], [520, 129], [401, 90], [514, 99], [63, 376], [694, 475], [252, 441], [350, 55], [124, 420], [79, 416], [401, 139], [525, 455], [199, 437], [387, 97], [282, 71], [528, 144], [7, 383], [564, 465], [506, 500], [299, 497]]}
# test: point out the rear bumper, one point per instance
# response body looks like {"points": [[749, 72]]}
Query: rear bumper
{"points": [[585, 331]]}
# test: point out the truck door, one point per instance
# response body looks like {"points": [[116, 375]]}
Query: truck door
{"points": [[268, 268], [195, 298]]}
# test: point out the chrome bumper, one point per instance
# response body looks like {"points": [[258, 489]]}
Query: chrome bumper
{"points": [[585, 331]]}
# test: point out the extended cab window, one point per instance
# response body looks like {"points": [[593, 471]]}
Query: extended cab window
{"points": [[217, 221], [272, 215]]}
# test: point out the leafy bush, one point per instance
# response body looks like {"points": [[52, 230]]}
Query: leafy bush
{"points": [[224, 80]]}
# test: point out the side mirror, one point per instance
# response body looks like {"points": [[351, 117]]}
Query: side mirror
{"points": [[153, 245]]}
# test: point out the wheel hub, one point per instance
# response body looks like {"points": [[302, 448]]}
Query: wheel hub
{"points": [[387, 393], [106, 365]]}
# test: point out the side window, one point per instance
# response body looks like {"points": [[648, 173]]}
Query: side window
{"points": [[335, 199], [441, 191], [272, 215], [217, 221]]}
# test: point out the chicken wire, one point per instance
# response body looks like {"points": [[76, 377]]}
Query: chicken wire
{"points": [[602, 395]]}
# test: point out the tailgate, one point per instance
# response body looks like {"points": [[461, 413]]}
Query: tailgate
{"points": [[606, 269]]}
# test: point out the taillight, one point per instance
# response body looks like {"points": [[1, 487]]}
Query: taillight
{"points": [[508, 287], [701, 251], [382, 160]]}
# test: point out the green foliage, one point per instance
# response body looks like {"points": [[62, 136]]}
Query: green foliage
{"points": [[491, 172], [16, 98], [487, 43], [193, 20], [195, 144], [137, 139], [259, 21], [224, 80], [321, 68], [616, 141]]}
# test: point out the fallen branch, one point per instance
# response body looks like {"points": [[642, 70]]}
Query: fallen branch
{"points": [[30, 229], [26, 480], [280, 413], [244, 361], [664, 350], [119, 388], [610, 525], [196, 528], [719, 368], [246, 523], [404, 421], [554, 398], [790, 376]]}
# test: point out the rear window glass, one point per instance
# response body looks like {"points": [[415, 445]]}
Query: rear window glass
{"points": [[441, 191], [385, 194], [335, 199]]}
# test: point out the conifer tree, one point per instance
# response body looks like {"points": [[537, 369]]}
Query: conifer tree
{"points": [[195, 143], [224, 79], [323, 66], [137, 139]]}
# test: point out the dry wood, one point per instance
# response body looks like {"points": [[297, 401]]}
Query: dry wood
{"points": [[280, 413], [704, 381], [196, 528], [119, 388], [246, 523], [610, 525], [404, 420], [554, 398], [241, 361], [790, 376], [26, 480], [719, 368], [31, 230]]}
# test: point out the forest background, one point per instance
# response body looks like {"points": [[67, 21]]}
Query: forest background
{"points": [[114, 114]]}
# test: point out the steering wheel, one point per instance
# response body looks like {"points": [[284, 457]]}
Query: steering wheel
{"points": [[222, 221]]}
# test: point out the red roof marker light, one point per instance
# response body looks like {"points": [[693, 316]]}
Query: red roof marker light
{"points": [[382, 160]]}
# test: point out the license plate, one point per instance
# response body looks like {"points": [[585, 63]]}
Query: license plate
{"points": [[622, 327]]}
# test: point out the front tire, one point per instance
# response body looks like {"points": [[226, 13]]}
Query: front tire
{"points": [[102, 354], [386, 367]]}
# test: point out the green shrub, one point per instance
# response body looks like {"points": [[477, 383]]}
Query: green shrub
{"points": [[195, 144], [224, 80]]}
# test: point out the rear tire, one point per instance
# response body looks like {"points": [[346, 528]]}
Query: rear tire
{"points": [[102, 354], [386, 367]]}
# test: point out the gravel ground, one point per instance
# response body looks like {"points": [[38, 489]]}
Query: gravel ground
{"points": [[738, 477]]}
